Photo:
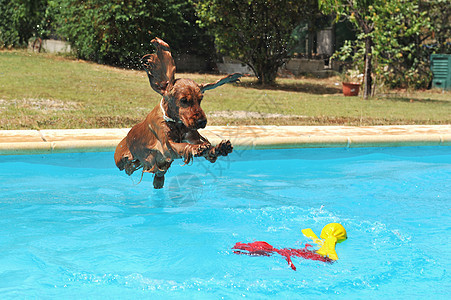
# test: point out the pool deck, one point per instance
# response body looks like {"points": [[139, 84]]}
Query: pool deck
{"points": [[242, 137]]}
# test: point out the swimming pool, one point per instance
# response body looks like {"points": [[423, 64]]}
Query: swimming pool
{"points": [[73, 226]]}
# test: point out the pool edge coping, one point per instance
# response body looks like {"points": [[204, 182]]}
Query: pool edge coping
{"points": [[15, 142]]}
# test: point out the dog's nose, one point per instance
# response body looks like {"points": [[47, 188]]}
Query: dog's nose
{"points": [[201, 123]]}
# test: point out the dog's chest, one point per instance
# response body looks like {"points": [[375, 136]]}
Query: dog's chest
{"points": [[177, 134]]}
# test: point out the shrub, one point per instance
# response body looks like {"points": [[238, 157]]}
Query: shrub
{"points": [[118, 32], [20, 20]]}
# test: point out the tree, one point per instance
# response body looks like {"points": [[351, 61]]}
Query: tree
{"points": [[358, 13], [400, 30], [256, 32], [389, 41]]}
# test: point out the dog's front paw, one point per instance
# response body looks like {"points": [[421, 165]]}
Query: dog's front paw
{"points": [[224, 148], [201, 149]]}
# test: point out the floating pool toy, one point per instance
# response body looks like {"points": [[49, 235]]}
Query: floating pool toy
{"points": [[331, 234], [260, 248]]}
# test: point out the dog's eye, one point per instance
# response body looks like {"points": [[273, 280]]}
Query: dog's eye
{"points": [[184, 101]]}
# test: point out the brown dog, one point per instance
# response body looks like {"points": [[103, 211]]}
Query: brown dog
{"points": [[170, 129]]}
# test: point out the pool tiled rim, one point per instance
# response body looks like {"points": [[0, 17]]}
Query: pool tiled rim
{"points": [[242, 137]]}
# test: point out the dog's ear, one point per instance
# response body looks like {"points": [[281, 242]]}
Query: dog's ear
{"points": [[235, 77], [160, 67]]}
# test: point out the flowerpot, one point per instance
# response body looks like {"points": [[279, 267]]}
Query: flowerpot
{"points": [[351, 88]]}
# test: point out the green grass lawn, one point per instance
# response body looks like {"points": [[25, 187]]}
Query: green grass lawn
{"points": [[41, 91]]}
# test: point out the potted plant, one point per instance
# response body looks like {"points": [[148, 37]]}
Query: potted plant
{"points": [[351, 81], [352, 61]]}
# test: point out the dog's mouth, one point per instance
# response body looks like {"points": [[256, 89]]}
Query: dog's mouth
{"points": [[195, 123]]}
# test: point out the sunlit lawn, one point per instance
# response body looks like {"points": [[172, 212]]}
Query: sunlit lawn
{"points": [[47, 91]]}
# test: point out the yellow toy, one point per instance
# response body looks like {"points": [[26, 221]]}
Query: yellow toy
{"points": [[331, 234]]}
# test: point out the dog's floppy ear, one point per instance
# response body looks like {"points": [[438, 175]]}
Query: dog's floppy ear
{"points": [[160, 67], [235, 77]]}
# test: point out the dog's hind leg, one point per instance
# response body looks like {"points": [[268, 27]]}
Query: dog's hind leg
{"points": [[124, 159], [158, 181]]}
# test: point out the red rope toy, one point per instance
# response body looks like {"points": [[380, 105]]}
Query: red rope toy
{"points": [[260, 248]]}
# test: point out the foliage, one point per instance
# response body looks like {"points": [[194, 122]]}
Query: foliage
{"points": [[118, 32], [398, 32], [256, 32], [20, 20], [351, 76], [358, 13], [398, 36], [438, 39]]}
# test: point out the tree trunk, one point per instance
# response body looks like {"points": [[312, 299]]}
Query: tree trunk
{"points": [[266, 73], [310, 43], [367, 79]]}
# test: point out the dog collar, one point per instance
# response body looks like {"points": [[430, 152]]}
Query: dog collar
{"points": [[165, 117]]}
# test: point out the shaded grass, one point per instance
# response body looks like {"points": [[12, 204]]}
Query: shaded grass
{"points": [[86, 95]]}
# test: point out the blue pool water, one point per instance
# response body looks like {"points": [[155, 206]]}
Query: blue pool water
{"points": [[73, 226]]}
